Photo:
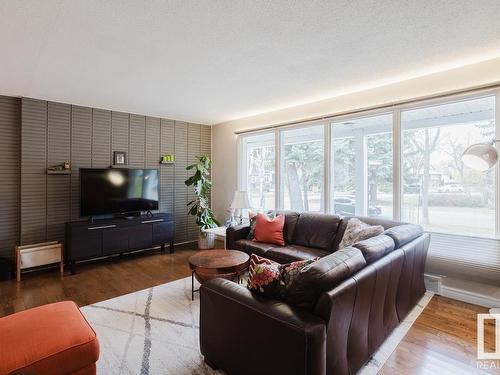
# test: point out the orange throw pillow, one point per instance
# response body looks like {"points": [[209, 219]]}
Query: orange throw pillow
{"points": [[269, 230]]}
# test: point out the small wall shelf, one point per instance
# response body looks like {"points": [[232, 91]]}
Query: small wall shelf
{"points": [[119, 166], [167, 162], [63, 171]]}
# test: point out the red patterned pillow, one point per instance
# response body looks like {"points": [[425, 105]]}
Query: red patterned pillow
{"points": [[273, 279]]}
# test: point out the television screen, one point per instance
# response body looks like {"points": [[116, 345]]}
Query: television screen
{"points": [[110, 191]]}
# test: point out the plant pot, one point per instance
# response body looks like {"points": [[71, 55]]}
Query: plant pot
{"points": [[206, 241]]}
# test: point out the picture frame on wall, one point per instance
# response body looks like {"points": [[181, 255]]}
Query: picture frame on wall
{"points": [[119, 158]]}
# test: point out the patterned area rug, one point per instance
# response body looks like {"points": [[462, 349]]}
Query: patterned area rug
{"points": [[156, 331]]}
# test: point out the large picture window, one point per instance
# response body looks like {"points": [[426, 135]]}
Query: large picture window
{"points": [[402, 163], [302, 168], [362, 166], [258, 170], [439, 191]]}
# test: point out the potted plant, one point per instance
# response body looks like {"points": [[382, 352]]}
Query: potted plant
{"points": [[199, 207]]}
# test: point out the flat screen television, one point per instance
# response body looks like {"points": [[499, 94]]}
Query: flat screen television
{"points": [[117, 191]]}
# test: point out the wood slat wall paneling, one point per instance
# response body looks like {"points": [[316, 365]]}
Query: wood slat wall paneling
{"points": [[58, 186], [152, 146], [206, 144], [10, 141], [50, 133], [194, 150], [167, 147], [137, 141], [180, 189], [101, 138], [81, 152], [119, 133], [33, 171]]}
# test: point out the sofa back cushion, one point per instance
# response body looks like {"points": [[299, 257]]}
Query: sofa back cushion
{"points": [[323, 275], [375, 248], [316, 230], [291, 218], [402, 234]]}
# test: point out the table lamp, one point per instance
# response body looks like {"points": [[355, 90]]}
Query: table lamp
{"points": [[240, 202]]}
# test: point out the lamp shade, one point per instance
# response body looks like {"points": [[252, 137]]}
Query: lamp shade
{"points": [[240, 200], [481, 156]]}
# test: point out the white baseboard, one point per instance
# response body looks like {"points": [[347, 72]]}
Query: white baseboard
{"points": [[470, 297], [462, 290]]}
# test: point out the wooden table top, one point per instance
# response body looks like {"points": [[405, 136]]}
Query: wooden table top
{"points": [[219, 259]]}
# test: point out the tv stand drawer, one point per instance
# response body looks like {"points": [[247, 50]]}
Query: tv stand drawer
{"points": [[105, 237], [114, 241]]}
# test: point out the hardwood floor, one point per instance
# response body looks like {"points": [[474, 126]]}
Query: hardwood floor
{"points": [[442, 340], [96, 281]]}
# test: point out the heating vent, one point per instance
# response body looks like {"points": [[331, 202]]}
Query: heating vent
{"points": [[433, 283], [476, 259]]}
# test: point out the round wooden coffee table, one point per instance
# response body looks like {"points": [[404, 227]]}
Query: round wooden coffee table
{"points": [[209, 264]]}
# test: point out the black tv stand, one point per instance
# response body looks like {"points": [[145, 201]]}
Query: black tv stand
{"points": [[99, 238]]}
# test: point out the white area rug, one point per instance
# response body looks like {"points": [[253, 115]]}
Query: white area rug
{"points": [[156, 331]]}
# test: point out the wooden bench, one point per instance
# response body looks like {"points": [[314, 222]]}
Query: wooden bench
{"points": [[40, 254]]}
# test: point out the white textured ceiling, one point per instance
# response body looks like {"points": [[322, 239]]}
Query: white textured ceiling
{"points": [[213, 61]]}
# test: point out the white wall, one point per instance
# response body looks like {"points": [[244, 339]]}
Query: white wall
{"points": [[224, 141]]}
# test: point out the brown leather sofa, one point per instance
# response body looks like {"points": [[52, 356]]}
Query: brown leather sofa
{"points": [[345, 306]]}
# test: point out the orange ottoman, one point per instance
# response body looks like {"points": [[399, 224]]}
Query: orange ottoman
{"points": [[51, 339]]}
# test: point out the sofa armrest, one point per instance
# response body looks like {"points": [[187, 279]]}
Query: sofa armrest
{"points": [[243, 333], [236, 233]]}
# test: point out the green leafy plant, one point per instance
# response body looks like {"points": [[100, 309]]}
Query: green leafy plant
{"points": [[199, 207]]}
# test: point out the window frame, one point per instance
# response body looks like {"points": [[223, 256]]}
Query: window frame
{"points": [[279, 160], [395, 110], [360, 116]]}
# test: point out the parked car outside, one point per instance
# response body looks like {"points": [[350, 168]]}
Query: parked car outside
{"points": [[412, 188], [451, 188], [347, 206]]}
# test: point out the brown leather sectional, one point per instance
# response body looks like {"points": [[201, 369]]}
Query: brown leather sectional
{"points": [[344, 307]]}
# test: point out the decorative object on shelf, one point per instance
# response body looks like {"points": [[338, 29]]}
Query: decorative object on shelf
{"points": [[39, 254], [199, 207], [63, 168], [240, 202], [167, 159], [119, 158]]}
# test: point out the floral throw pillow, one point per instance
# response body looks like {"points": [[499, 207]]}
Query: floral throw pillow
{"points": [[252, 217], [357, 231], [271, 278]]}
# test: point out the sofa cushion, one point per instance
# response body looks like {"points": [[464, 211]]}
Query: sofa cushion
{"points": [[251, 247], [272, 279], [402, 234], [269, 230], [292, 253], [375, 248], [252, 218], [357, 230], [324, 274], [368, 220], [291, 218], [49, 339], [316, 230]]}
